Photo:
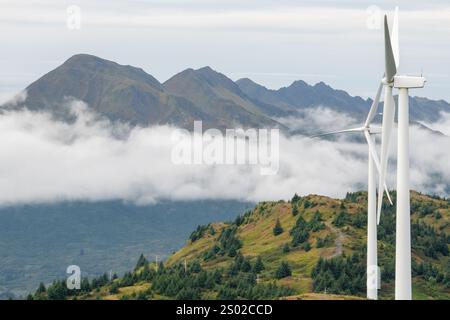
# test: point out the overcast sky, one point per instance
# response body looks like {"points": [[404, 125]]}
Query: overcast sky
{"points": [[271, 42]]}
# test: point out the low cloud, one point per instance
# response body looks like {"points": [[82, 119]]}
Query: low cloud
{"points": [[13, 98], [316, 120], [91, 159], [442, 125]]}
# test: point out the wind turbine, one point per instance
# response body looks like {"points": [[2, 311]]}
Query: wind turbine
{"points": [[373, 274], [403, 288]]}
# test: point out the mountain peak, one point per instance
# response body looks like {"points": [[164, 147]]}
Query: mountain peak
{"points": [[321, 84], [207, 69], [90, 61], [96, 63], [84, 57], [204, 75], [299, 84]]}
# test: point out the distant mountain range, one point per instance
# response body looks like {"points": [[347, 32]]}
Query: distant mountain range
{"points": [[130, 95]]}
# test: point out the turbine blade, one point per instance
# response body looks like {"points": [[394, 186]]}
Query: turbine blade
{"points": [[394, 39], [387, 126], [388, 194], [337, 132], [390, 69], [372, 150], [374, 155], [374, 108]]}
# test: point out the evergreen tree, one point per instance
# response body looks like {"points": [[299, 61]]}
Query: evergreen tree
{"points": [[85, 285], [306, 246], [41, 288], [306, 204], [195, 267], [319, 243], [114, 288], [294, 209], [57, 291], [299, 232], [283, 271], [141, 262], [340, 219], [277, 230], [258, 266], [295, 198]]}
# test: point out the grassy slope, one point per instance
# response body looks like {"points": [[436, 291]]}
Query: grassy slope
{"points": [[258, 240]]}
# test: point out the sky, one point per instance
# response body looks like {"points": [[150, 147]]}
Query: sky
{"points": [[272, 42]]}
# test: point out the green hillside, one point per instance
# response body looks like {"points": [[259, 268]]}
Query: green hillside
{"points": [[311, 247]]}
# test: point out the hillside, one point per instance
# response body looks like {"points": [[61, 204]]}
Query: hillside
{"points": [[312, 247], [39, 241]]}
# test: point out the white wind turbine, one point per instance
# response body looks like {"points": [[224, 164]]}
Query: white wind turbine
{"points": [[373, 274], [403, 289]]}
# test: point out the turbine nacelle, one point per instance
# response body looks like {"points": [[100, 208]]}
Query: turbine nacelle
{"points": [[409, 82]]}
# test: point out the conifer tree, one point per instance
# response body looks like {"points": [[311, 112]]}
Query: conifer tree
{"points": [[277, 230], [283, 271]]}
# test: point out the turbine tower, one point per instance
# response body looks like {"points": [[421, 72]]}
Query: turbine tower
{"points": [[403, 288], [373, 274]]}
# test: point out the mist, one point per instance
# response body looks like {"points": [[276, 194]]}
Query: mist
{"points": [[92, 159]]}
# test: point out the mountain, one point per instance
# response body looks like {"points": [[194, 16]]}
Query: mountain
{"points": [[128, 94], [39, 241], [118, 92], [423, 109], [300, 95], [219, 96], [311, 247]]}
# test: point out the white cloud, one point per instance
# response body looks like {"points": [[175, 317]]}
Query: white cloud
{"points": [[13, 98], [316, 120], [442, 125], [44, 160]]}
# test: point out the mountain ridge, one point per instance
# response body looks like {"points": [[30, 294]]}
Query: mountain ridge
{"points": [[129, 94]]}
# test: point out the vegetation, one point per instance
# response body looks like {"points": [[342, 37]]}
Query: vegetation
{"points": [[283, 271], [299, 232], [341, 219], [227, 244], [277, 230], [340, 275], [323, 252], [199, 232], [142, 261]]}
